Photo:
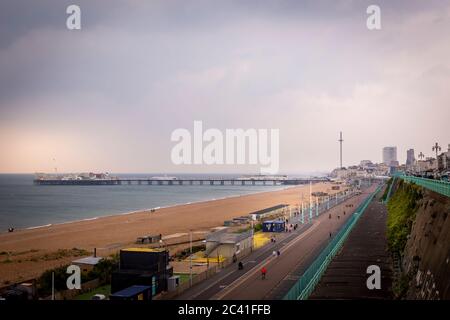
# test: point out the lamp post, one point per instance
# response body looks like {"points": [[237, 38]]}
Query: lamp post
{"points": [[53, 286], [310, 201], [253, 235], [303, 214], [317, 207], [436, 148], [190, 258]]}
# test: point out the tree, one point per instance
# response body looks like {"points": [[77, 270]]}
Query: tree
{"points": [[104, 269], [45, 280]]}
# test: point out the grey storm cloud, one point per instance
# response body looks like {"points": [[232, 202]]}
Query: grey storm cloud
{"points": [[140, 69]]}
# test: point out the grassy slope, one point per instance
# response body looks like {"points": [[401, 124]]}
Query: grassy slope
{"points": [[402, 209]]}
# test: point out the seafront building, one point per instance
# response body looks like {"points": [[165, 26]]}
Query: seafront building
{"points": [[429, 164], [227, 244], [142, 267], [410, 159], [390, 156], [443, 160], [366, 169]]}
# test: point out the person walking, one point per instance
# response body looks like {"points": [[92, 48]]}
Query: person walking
{"points": [[263, 273]]}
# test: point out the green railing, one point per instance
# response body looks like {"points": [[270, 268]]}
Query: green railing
{"points": [[388, 196], [306, 284], [439, 186]]}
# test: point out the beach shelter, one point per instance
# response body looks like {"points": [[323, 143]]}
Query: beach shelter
{"points": [[273, 226]]}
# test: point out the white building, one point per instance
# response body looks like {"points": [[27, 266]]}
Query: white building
{"points": [[444, 160]]}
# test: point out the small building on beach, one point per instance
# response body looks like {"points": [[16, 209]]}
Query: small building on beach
{"points": [[273, 226], [142, 267], [135, 292], [87, 264], [271, 212], [228, 244]]}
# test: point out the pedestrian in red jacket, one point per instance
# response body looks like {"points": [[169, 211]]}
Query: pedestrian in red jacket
{"points": [[263, 273]]}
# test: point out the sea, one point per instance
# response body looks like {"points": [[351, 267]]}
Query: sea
{"points": [[26, 205]]}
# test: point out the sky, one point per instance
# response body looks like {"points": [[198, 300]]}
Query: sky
{"points": [[108, 97]]}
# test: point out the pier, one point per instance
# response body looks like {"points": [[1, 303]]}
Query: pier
{"points": [[178, 182]]}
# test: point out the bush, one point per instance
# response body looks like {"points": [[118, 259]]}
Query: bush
{"points": [[45, 280], [257, 227], [104, 269], [402, 209], [401, 286]]}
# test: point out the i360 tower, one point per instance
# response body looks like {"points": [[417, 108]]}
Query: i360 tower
{"points": [[340, 148]]}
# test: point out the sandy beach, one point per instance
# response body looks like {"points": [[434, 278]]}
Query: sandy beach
{"points": [[25, 254]]}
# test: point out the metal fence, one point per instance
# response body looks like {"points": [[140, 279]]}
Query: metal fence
{"points": [[306, 284], [305, 214], [439, 186], [388, 196]]}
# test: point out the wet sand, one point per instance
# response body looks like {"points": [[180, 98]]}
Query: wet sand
{"points": [[25, 248]]}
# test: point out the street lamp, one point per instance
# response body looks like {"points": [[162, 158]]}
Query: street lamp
{"points": [[436, 148], [190, 258]]}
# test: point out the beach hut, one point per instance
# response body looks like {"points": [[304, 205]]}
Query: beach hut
{"points": [[273, 226], [269, 213], [135, 292], [87, 263]]}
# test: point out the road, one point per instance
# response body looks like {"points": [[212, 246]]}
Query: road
{"points": [[298, 249]]}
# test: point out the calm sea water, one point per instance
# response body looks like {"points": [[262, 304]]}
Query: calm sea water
{"points": [[23, 204]]}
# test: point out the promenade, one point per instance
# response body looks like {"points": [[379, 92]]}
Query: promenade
{"points": [[298, 250], [345, 277]]}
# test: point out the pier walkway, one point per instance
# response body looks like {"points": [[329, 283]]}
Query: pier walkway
{"points": [[178, 182]]}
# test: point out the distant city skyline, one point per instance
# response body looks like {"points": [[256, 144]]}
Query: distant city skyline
{"points": [[107, 98]]}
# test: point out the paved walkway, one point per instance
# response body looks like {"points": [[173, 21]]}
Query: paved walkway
{"points": [[298, 250], [206, 289], [345, 277]]}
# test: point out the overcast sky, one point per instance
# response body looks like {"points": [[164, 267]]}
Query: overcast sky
{"points": [[107, 97]]}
